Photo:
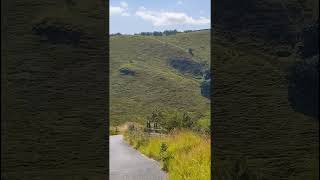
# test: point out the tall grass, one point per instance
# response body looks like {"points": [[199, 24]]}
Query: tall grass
{"points": [[183, 154]]}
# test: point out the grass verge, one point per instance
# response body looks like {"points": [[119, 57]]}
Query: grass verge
{"points": [[113, 131], [183, 154]]}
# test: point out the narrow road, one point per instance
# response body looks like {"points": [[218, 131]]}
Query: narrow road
{"points": [[128, 164]]}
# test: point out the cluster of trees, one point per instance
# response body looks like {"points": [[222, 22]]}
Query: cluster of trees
{"points": [[116, 34], [173, 119], [186, 31], [158, 33], [170, 119]]}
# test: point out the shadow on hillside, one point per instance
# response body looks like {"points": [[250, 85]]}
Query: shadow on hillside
{"points": [[196, 69]]}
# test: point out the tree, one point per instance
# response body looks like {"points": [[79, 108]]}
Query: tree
{"points": [[156, 33], [171, 119], [170, 32]]}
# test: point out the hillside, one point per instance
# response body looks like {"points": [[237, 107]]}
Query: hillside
{"points": [[147, 72]]}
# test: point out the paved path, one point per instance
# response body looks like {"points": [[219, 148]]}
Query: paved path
{"points": [[128, 164]]}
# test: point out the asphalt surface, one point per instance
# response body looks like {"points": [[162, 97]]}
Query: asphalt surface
{"points": [[128, 164]]}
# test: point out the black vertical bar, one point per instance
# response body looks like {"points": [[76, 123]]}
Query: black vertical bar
{"points": [[54, 79]]}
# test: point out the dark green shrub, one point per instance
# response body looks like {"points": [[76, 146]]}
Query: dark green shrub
{"points": [[165, 156], [168, 120], [131, 127], [187, 122], [203, 125]]}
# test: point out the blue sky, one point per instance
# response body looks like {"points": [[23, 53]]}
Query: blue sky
{"points": [[132, 16]]}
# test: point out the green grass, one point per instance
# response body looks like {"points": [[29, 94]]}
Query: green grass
{"points": [[113, 131], [203, 125], [155, 83], [199, 41], [188, 154]]}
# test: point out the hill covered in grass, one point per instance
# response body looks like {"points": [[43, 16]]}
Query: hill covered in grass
{"points": [[148, 72]]}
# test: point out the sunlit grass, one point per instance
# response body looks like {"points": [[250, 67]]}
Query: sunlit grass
{"points": [[113, 131], [190, 156]]}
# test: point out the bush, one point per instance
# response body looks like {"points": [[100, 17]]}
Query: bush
{"points": [[165, 156], [131, 127], [172, 119], [203, 125]]}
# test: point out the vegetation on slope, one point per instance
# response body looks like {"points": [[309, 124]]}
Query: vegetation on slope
{"points": [[183, 154], [141, 77], [198, 41], [183, 150]]}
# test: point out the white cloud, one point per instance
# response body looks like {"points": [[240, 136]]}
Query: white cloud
{"points": [[121, 10], [124, 4], [164, 18]]}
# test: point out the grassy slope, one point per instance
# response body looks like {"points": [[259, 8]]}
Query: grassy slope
{"points": [[199, 41], [155, 83], [253, 116]]}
